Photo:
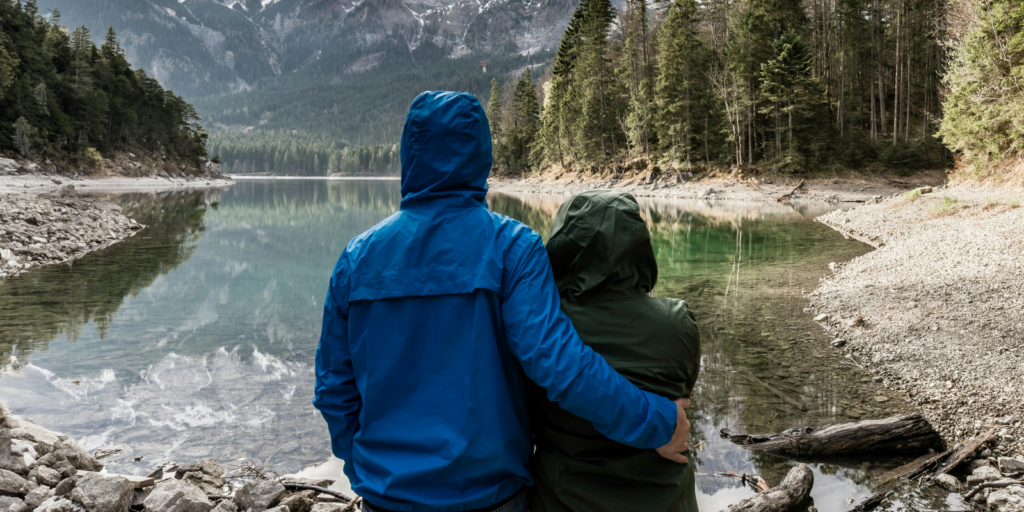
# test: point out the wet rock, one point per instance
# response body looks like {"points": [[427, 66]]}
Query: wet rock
{"points": [[38, 496], [984, 474], [64, 487], [259, 496], [13, 484], [948, 482], [57, 504], [299, 502], [108, 451], [176, 496], [99, 493], [1010, 465], [12, 504]]}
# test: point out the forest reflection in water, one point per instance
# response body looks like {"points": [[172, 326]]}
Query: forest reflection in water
{"points": [[196, 337]]}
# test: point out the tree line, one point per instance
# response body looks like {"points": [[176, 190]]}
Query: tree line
{"points": [[783, 84], [291, 152], [64, 98]]}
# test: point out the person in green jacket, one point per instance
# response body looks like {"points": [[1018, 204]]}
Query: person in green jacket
{"points": [[604, 266]]}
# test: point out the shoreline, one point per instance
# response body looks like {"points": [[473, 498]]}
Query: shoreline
{"points": [[45, 220], [935, 311]]}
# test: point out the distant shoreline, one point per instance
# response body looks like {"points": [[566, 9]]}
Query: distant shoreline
{"points": [[328, 178]]}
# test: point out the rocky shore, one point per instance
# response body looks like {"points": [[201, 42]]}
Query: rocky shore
{"points": [[44, 220], [936, 312], [43, 471], [642, 181]]}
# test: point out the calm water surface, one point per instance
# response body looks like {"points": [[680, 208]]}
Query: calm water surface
{"points": [[196, 337]]}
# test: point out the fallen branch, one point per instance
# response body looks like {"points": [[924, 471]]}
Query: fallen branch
{"points": [[785, 197], [908, 433], [991, 485], [756, 483], [965, 450], [790, 495], [322, 490], [776, 392]]}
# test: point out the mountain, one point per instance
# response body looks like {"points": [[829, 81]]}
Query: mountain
{"points": [[209, 47]]}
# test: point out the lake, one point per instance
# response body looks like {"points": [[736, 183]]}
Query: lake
{"points": [[196, 337]]}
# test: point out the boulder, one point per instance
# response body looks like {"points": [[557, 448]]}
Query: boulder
{"points": [[329, 507], [13, 484], [99, 493], [301, 501], [984, 474], [948, 482], [57, 504], [176, 496], [139, 498], [1010, 499], [208, 484], [4, 414], [226, 506], [80, 458], [1010, 465], [45, 476], [64, 487], [45, 441], [259, 496], [38, 496], [11, 460], [12, 504]]}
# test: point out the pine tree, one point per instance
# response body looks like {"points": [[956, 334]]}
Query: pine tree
{"points": [[495, 119], [594, 126], [784, 81], [40, 94], [22, 140], [682, 79], [524, 125]]}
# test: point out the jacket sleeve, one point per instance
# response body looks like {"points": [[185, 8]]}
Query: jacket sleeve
{"points": [[336, 394], [573, 375]]}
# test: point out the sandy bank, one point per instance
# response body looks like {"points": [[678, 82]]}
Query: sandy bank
{"points": [[937, 311]]}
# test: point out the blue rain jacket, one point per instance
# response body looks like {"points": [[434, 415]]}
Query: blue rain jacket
{"points": [[434, 319]]}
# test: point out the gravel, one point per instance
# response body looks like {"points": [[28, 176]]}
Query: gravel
{"points": [[937, 311], [48, 229]]}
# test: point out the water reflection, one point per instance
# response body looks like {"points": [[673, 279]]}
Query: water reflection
{"points": [[196, 337]]}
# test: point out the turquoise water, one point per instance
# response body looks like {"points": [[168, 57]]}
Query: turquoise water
{"points": [[196, 337]]}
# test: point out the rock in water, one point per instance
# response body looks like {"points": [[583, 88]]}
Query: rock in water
{"points": [[98, 493], [259, 496], [13, 484], [176, 496]]}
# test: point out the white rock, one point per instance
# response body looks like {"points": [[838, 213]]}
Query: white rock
{"points": [[821, 318], [949, 482], [99, 493], [984, 474], [177, 496]]}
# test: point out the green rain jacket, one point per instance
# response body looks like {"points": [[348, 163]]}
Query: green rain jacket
{"points": [[603, 261]]}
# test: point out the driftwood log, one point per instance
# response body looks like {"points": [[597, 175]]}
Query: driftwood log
{"points": [[789, 496], [907, 433], [786, 197]]}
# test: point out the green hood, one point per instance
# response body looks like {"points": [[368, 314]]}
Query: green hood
{"points": [[600, 247]]}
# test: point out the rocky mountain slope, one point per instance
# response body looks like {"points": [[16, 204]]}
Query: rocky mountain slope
{"points": [[206, 47]]}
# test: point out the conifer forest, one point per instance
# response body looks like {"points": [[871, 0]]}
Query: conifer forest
{"points": [[62, 97], [784, 85]]}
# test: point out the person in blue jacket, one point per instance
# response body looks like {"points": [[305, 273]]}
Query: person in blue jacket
{"points": [[435, 318]]}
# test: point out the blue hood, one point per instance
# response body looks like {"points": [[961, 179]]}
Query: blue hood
{"points": [[446, 150]]}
